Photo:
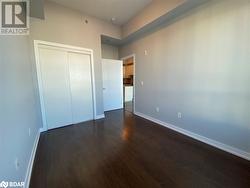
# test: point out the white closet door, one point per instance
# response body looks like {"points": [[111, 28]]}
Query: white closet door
{"points": [[81, 86], [56, 87], [112, 84]]}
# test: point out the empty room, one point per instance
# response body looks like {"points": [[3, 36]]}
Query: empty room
{"points": [[125, 93]]}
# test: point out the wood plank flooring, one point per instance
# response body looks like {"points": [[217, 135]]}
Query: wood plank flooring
{"points": [[126, 151]]}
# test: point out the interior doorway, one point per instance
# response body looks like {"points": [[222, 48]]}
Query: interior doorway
{"points": [[129, 82]]}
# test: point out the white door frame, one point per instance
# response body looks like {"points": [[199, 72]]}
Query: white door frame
{"points": [[67, 48], [126, 57]]}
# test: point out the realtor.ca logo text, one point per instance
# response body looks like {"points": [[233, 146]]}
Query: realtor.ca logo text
{"points": [[14, 17], [5, 184]]}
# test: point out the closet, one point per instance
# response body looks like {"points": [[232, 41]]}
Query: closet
{"points": [[65, 84]]}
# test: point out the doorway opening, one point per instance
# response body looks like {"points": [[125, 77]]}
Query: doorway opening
{"points": [[129, 82]]}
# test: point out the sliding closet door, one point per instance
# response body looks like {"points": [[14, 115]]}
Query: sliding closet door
{"points": [[55, 87], [81, 86]]}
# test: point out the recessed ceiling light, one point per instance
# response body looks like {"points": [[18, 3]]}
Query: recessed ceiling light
{"points": [[113, 20]]}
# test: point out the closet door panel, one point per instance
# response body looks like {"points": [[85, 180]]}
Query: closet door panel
{"points": [[81, 86], [56, 88]]}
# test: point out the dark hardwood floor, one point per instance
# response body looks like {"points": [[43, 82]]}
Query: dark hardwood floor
{"points": [[126, 151]]}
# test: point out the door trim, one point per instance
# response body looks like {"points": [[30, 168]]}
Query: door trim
{"points": [[68, 48], [126, 57]]}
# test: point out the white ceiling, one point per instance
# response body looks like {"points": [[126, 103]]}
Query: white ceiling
{"points": [[121, 10]]}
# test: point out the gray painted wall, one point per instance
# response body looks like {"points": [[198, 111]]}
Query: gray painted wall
{"points": [[18, 108], [67, 26], [37, 8], [199, 66], [110, 52]]}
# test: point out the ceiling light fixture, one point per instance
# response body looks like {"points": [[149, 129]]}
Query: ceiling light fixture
{"points": [[113, 20]]}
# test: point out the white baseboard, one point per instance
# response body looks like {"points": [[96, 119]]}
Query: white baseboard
{"points": [[99, 116], [31, 161], [219, 145]]}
